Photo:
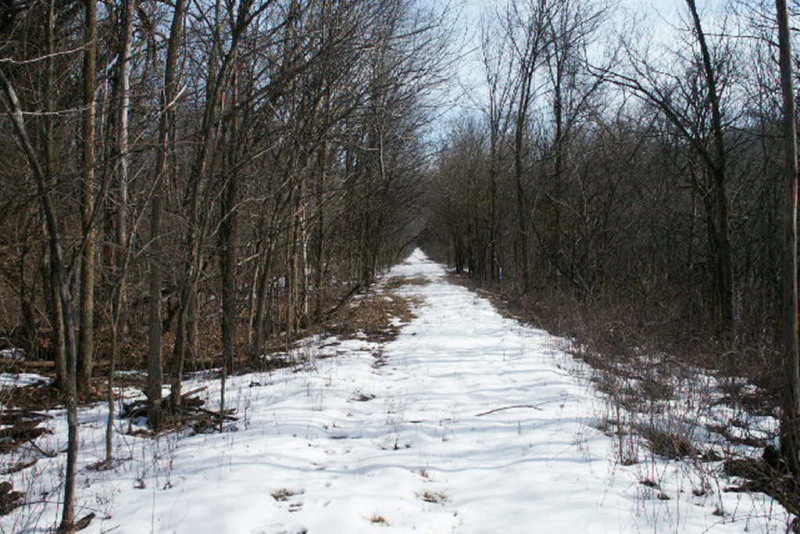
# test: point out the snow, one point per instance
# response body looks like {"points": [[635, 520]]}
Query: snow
{"points": [[475, 424], [12, 354], [9, 380]]}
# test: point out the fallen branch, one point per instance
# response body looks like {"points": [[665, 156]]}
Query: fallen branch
{"points": [[192, 392], [342, 302], [9, 499], [217, 414], [27, 364], [47, 454], [19, 426], [12, 416], [17, 467], [534, 406]]}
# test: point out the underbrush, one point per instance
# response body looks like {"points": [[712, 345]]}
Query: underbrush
{"points": [[671, 392], [373, 318]]}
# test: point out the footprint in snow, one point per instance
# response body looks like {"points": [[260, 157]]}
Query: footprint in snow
{"points": [[434, 497], [362, 397], [285, 495]]}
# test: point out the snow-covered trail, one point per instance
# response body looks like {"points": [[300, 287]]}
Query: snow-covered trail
{"points": [[475, 424]]}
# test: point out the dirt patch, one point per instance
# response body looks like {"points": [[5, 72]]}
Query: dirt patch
{"points": [[376, 317], [397, 282]]}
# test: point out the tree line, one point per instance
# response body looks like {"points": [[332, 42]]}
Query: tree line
{"points": [[643, 177], [190, 180], [183, 183]]}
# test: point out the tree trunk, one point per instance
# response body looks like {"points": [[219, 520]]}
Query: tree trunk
{"points": [[523, 261], [228, 230], [61, 283], [723, 265], [262, 297], [89, 253], [58, 338], [790, 416], [122, 253], [124, 86], [154, 367], [319, 251]]}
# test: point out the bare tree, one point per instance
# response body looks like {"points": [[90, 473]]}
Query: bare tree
{"points": [[685, 101], [500, 98], [527, 25], [62, 286], [89, 251], [122, 254], [168, 100], [790, 415]]}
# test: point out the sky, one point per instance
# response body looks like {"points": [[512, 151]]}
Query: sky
{"points": [[660, 16]]}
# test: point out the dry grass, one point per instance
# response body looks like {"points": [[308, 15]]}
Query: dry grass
{"points": [[373, 317], [434, 497], [38, 396], [397, 282], [670, 445], [376, 519], [760, 476], [647, 356], [284, 494]]}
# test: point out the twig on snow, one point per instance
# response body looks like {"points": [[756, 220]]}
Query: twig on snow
{"points": [[534, 406]]}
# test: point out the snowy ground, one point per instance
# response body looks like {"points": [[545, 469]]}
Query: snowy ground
{"points": [[475, 424]]}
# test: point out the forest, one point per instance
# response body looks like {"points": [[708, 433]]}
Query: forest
{"points": [[188, 185]]}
